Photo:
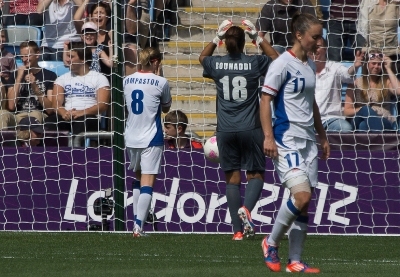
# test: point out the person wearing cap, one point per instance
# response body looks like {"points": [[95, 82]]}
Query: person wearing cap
{"points": [[101, 54], [80, 95], [29, 132], [98, 13], [58, 26], [30, 92]]}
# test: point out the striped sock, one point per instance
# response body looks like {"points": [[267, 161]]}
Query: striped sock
{"points": [[286, 215], [143, 205]]}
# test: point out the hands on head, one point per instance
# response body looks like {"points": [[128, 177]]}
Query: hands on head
{"points": [[223, 27], [359, 58], [387, 62], [250, 30]]}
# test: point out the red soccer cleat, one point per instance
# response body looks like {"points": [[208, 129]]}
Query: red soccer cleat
{"points": [[301, 267], [248, 224], [238, 236], [271, 257]]}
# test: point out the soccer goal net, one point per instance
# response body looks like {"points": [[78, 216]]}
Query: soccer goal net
{"points": [[81, 181]]}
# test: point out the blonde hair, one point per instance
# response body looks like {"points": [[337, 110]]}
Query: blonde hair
{"points": [[148, 55], [23, 135], [364, 86]]}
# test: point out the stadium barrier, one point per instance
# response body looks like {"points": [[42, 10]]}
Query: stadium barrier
{"points": [[54, 189]]}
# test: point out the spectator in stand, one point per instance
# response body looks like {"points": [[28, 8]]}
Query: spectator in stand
{"points": [[140, 27], [132, 25], [32, 90], [99, 14], [101, 59], [166, 16], [7, 68], [368, 101], [96, 11], [317, 6], [30, 132], [59, 26], [7, 60], [80, 95], [328, 88], [138, 22], [23, 12], [175, 124], [342, 30], [276, 17], [378, 22]]}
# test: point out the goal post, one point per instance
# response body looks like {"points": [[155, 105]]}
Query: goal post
{"points": [[118, 119]]}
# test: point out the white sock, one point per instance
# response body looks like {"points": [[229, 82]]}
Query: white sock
{"points": [[297, 236], [286, 215], [143, 205], [136, 193]]}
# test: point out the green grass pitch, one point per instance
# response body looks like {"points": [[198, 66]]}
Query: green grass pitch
{"points": [[116, 254]]}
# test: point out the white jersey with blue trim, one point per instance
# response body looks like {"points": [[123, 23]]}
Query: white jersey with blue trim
{"points": [[292, 82], [145, 93]]}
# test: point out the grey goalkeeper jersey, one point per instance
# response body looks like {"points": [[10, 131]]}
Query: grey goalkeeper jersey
{"points": [[238, 82]]}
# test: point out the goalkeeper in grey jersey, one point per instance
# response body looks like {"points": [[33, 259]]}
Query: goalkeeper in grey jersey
{"points": [[239, 134]]}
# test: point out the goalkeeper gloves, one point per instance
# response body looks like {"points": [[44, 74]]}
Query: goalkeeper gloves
{"points": [[252, 32], [225, 25]]}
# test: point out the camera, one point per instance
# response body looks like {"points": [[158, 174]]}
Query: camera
{"points": [[103, 206]]}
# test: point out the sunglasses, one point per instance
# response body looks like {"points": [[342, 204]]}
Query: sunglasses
{"points": [[376, 55]]}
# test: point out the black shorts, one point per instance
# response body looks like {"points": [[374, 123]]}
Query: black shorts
{"points": [[241, 150]]}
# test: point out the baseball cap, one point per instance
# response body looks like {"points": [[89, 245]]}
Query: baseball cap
{"points": [[31, 123], [89, 26]]}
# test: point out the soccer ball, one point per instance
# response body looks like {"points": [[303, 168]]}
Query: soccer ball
{"points": [[211, 150]]}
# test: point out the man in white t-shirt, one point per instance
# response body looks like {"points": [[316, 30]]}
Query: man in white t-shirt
{"points": [[328, 88], [80, 95], [58, 26]]}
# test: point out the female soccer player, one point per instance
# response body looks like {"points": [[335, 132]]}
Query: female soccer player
{"points": [[290, 84], [146, 95], [239, 133]]}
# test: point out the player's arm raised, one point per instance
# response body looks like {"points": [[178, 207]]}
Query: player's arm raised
{"points": [[209, 49], [258, 40]]}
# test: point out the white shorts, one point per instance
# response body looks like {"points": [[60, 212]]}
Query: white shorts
{"points": [[297, 156], [147, 160]]}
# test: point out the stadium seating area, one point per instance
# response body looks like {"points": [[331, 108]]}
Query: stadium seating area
{"points": [[17, 34]]}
